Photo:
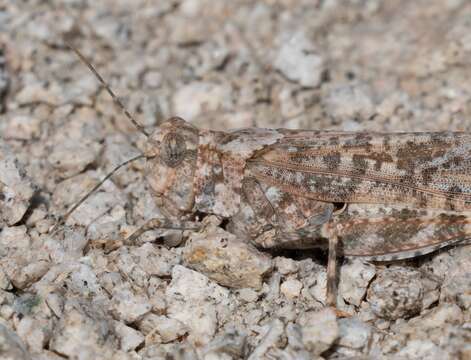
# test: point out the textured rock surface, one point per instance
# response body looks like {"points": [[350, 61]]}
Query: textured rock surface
{"points": [[16, 189], [226, 259], [343, 65]]}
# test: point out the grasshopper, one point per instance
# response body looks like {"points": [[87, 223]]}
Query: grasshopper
{"points": [[380, 196]]}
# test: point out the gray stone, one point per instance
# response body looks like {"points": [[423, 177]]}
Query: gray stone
{"points": [[398, 293], [161, 328], [11, 346], [291, 288], [226, 259], [354, 280], [129, 306], [83, 330], [271, 340], [299, 59], [319, 330], [129, 338], [16, 189], [353, 334], [197, 302], [346, 102], [198, 98]]}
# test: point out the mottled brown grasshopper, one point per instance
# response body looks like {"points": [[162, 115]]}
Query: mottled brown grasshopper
{"points": [[381, 196]]}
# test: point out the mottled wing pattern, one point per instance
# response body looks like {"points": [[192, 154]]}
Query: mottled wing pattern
{"points": [[386, 233], [425, 170]]}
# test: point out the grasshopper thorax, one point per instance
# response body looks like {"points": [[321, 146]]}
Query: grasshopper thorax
{"points": [[171, 153]]}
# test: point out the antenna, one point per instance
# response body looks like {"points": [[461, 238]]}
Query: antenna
{"points": [[64, 217], [108, 89]]}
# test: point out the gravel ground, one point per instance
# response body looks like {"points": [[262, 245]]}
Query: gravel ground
{"points": [[382, 65]]}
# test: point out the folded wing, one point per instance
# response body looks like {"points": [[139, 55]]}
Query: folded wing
{"points": [[425, 170]]}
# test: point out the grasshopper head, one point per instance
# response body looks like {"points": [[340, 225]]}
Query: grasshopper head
{"points": [[171, 165]]}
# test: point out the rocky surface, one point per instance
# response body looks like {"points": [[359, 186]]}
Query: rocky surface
{"points": [[346, 65]]}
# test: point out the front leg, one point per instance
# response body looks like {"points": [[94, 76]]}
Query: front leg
{"points": [[164, 224], [271, 218]]}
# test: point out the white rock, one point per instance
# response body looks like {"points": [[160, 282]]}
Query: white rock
{"points": [[16, 188], [299, 59], [155, 260], [166, 328], [35, 332], [318, 290], [226, 259], [353, 333], [67, 245], [200, 97], [421, 349], [319, 330], [22, 263], [287, 312], [22, 127], [198, 303], [441, 315], [346, 102], [71, 190], [11, 345], [248, 295], [397, 293], [291, 288], [129, 306], [55, 303], [27, 271], [152, 79], [295, 348], [15, 237], [234, 120], [458, 288], [83, 330], [354, 280], [37, 92], [231, 344], [5, 283], [454, 268], [71, 157], [6, 312], [130, 338], [270, 341], [286, 265], [83, 281]]}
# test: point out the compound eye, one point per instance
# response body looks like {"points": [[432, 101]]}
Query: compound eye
{"points": [[173, 149]]}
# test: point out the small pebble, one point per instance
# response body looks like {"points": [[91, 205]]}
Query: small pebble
{"points": [[225, 259], [198, 303], [396, 293], [346, 102], [129, 306], [11, 345], [355, 277], [130, 338], [16, 189], [166, 328], [299, 59], [291, 288], [319, 329], [353, 333], [286, 265], [198, 98], [248, 295]]}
